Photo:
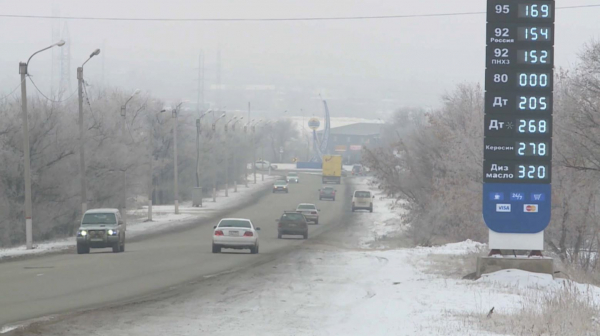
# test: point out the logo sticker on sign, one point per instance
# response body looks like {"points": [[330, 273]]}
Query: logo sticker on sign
{"points": [[530, 208], [502, 207]]}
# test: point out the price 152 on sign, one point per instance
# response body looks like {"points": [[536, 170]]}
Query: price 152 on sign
{"points": [[519, 85]]}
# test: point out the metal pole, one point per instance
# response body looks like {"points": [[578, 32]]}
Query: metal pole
{"points": [[28, 206], [214, 156], [226, 151], [175, 172], [124, 165], [198, 152], [150, 173], [81, 143], [253, 154]]}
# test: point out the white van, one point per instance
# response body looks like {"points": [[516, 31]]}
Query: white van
{"points": [[362, 200]]}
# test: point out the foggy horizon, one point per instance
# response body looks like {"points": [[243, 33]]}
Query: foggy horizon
{"points": [[358, 66]]}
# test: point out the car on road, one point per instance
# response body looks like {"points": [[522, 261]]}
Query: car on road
{"points": [[292, 223], [328, 193], [362, 200], [293, 177], [101, 228], [280, 186], [358, 170], [309, 211], [235, 233], [264, 165]]}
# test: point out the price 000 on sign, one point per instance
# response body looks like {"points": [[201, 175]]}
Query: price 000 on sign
{"points": [[519, 85]]}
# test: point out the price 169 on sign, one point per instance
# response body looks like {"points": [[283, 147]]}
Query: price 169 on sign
{"points": [[519, 85]]}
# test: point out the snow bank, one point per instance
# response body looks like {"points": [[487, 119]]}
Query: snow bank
{"points": [[163, 219]]}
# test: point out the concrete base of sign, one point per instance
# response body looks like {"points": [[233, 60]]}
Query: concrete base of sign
{"points": [[516, 241], [497, 263]]}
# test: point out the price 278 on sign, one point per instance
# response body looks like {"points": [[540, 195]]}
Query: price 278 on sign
{"points": [[519, 74]]}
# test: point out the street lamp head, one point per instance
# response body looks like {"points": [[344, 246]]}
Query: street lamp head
{"points": [[60, 43], [95, 53], [136, 92], [162, 111]]}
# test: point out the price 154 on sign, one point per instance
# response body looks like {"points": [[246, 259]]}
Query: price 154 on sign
{"points": [[519, 85]]}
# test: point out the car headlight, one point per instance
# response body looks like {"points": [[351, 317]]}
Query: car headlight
{"points": [[112, 232], [83, 233]]}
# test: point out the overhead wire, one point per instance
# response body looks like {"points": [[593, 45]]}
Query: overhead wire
{"points": [[13, 91], [50, 99], [333, 18]]}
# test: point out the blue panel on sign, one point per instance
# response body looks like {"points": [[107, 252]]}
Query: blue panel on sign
{"points": [[520, 214]]}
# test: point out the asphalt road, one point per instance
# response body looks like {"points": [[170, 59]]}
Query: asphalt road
{"points": [[62, 283]]}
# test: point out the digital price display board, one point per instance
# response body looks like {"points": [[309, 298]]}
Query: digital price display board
{"points": [[519, 85]]}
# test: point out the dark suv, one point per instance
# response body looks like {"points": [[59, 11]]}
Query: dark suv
{"points": [[327, 192], [292, 223]]}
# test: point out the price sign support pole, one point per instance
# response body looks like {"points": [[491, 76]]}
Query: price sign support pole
{"points": [[517, 176]]}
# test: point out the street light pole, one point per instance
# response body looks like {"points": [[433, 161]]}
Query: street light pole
{"points": [[27, 163], [226, 150], [150, 168], [254, 149], [214, 129], [80, 84], [175, 165], [124, 158], [235, 161]]}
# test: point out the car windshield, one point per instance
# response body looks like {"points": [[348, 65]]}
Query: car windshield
{"points": [[306, 207], [328, 189], [99, 218], [292, 217], [280, 183], [293, 174], [237, 223], [362, 194]]}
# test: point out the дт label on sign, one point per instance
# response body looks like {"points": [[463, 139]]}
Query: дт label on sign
{"points": [[519, 85]]}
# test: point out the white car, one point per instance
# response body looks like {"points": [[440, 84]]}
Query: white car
{"points": [[235, 233], [309, 211], [362, 200]]}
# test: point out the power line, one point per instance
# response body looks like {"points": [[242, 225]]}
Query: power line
{"points": [[339, 18], [13, 91], [49, 99]]}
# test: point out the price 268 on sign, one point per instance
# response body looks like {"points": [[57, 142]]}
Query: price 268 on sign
{"points": [[519, 86]]}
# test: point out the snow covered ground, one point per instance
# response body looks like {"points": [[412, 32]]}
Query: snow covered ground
{"points": [[164, 218], [341, 283]]}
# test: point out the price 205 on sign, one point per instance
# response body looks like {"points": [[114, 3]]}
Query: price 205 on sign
{"points": [[519, 84]]}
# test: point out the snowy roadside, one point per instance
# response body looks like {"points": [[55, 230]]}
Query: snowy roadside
{"points": [[163, 217], [365, 287]]}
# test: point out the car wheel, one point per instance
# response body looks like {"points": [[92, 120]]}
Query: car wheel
{"points": [[254, 250], [216, 249], [82, 249], [353, 209], [317, 222], [116, 247], [320, 199], [333, 199], [305, 236], [279, 235], [371, 209]]}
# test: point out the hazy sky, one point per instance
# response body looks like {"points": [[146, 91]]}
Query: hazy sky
{"points": [[357, 65]]}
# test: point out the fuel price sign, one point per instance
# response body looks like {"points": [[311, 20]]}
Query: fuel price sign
{"points": [[519, 84]]}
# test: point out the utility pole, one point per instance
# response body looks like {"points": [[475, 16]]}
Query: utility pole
{"points": [[226, 151], [215, 142], [175, 168], [254, 152], [81, 142], [28, 206], [150, 169], [26, 153], [124, 159], [80, 84]]}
